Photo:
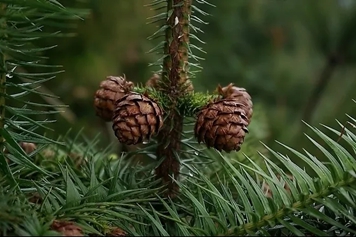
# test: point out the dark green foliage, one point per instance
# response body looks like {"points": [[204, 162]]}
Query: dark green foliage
{"points": [[99, 190], [220, 194], [23, 23]]}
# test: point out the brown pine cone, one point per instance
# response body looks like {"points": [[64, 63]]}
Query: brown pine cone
{"points": [[154, 83], [188, 86], [239, 95], [136, 118], [28, 147], [267, 190], [66, 228], [223, 123], [116, 232], [111, 89]]}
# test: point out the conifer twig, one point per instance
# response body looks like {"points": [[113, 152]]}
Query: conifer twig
{"points": [[174, 76], [2, 76]]}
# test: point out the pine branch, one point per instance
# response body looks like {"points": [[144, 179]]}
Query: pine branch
{"points": [[174, 76], [3, 72]]}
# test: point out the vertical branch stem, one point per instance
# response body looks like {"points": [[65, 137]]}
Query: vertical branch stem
{"points": [[2, 73], [174, 76]]}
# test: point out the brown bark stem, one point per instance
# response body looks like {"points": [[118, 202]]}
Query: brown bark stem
{"points": [[2, 76], [174, 76]]}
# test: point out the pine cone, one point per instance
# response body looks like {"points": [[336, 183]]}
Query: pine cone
{"points": [[111, 89], [154, 83], [239, 95], [35, 198], [136, 118], [28, 147], [116, 232], [267, 190], [223, 123], [66, 228], [188, 86]]}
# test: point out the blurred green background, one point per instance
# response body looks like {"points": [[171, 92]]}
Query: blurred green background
{"points": [[297, 59]]}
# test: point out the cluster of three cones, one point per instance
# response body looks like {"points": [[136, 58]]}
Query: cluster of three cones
{"points": [[221, 124]]}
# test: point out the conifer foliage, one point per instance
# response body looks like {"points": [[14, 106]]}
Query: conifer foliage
{"points": [[70, 187]]}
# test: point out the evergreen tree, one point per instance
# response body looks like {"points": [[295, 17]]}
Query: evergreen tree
{"points": [[70, 186]]}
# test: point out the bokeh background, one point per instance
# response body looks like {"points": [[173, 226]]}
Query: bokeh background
{"points": [[296, 58]]}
